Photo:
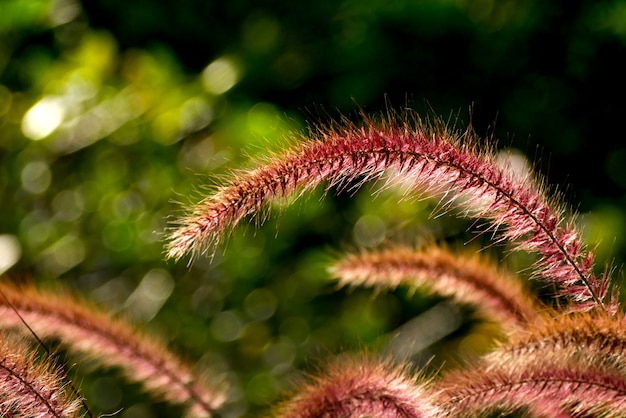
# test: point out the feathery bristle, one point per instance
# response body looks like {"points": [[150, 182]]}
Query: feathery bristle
{"points": [[598, 339], [536, 382], [436, 162], [83, 329], [31, 387], [360, 387], [467, 278]]}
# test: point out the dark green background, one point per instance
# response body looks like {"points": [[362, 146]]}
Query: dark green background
{"points": [[542, 77]]}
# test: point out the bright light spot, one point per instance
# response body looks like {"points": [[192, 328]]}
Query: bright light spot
{"points": [[64, 254], [195, 114], [36, 177], [43, 118], [10, 252], [424, 330], [79, 89], [97, 122], [199, 155], [150, 295], [113, 292], [220, 76], [63, 11]]}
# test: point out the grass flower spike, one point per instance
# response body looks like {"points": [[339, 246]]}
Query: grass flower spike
{"points": [[466, 278], [110, 342], [31, 387], [360, 387], [435, 161], [545, 390]]}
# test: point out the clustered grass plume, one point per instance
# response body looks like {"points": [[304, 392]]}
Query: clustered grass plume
{"points": [[30, 387], [561, 361], [109, 342], [564, 361], [433, 160], [466, 278]]}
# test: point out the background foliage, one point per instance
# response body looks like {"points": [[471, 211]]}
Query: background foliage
{"points": [[112, 111]]}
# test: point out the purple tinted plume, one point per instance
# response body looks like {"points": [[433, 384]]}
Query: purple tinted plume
{"points": [[433, 161], [360, 387]]}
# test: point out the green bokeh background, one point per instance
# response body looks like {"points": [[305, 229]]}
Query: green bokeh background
{"points": [[114, 112]]}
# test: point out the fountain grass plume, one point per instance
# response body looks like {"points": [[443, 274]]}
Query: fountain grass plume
{"points": [[465, 277], [546, 390], [31, 386], [565, 368], [436, 161], [596, 338], [361, 386], [110, 342]]}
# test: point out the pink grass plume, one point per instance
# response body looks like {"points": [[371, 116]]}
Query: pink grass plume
{"points": [[112, 343], [435, 161], [466, 278], [31, 387], [357, 387]]}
